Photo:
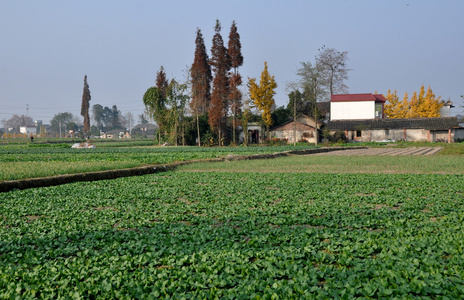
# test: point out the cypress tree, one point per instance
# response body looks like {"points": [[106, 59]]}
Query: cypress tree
{"points": [[200, 75], [220, 63], [236, 60], [85, 106]]}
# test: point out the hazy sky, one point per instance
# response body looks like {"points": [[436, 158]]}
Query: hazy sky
{"points": [[48, 46]]}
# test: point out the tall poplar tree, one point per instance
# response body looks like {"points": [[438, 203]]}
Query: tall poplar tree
{"points": [[200, 75], [236, 60], [313, 82], [335, 70], [85, 106], [262, 95], [220, 63]]}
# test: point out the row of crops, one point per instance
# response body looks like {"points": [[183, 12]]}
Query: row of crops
{"points": [[237, 236], [19, 162]]}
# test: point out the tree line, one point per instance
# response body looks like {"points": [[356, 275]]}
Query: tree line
{"points": [[210, 107], [421, 105], [214, 95]]}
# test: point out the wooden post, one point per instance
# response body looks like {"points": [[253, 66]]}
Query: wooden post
{"points": [[449, 136], [428, 136], [404, 134]]}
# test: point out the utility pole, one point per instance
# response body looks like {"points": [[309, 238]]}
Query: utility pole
{"points": [[60, 129], [294, 121]]}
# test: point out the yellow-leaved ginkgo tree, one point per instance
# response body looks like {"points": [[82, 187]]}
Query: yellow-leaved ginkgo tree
{"points": [[422, 105], [262, 95]]}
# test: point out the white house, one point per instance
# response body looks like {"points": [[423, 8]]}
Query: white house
{"points": [[28, 129], [357, 106], [360, 117]]}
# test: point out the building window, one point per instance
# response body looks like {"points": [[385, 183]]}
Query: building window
{"points": [[308, 134], [358, 133]]}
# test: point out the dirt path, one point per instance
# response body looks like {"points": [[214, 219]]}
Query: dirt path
{"points": [[385, 151]]}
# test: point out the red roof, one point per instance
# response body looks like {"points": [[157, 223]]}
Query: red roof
{"points": [[378, 98]]}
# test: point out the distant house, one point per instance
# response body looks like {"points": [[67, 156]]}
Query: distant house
{"points": [[417, 130], [303, 129], [29, 129], [361, 118], [146, 130], [255, 133], [357, 106]]}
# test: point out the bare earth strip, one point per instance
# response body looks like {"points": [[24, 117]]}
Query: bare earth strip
{"points": [[384, 151]]}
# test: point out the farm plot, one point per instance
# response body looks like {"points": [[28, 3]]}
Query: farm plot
{"points": [[236, 235], [31, 162]]}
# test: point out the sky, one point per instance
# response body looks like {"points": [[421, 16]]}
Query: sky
{"points": [[48, 46]]}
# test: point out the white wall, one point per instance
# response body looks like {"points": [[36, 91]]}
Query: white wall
{"points": [[354, 110]]}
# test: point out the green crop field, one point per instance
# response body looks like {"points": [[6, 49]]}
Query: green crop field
{"points": [[30, 161], [236, 235], [438, 164]]}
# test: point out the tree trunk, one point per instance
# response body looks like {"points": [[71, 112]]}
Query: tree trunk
{"points": [[267, 133], [233, 129], [294, 122], [175, 131], [198, 131]]}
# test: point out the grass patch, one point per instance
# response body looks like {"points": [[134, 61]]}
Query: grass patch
{"points": [[338, 164], [448, 148], [35, 169]]}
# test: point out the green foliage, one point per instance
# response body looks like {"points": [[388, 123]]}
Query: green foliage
{"points": [[65, 120], [276, 142], [235, 235], [27, 162], [436, 164], [281, 115], [155, 105], [62, 145], [337, 137]]}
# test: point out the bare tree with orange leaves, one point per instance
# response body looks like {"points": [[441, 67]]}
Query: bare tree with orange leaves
{"points": [[200, 75], [220, 64], [236, 60]]}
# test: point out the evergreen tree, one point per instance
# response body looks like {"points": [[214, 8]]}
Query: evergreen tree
{"points": [[85, 106], [200, 75], [236, 60], [98, 115], [220, 63], [295, 98], [162, 82]]}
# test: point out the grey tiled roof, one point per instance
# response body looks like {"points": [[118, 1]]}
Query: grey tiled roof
{"points": [[423, 123]]}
